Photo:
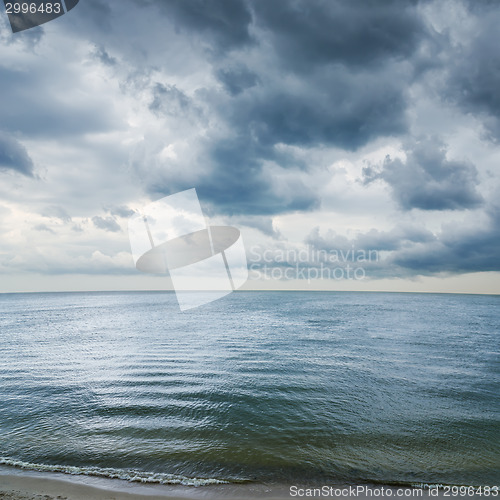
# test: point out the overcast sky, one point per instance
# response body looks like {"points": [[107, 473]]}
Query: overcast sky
{"points": [[330, 125]]}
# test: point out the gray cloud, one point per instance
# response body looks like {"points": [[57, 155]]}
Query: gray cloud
{"points": [[314, 93], [427, 179], [330, 108], [353, 33], [106, 223], [238, 184], [414, 250], [14, 156], [457, 249], [120, 211], [103, 56], [473, 74], [57, 212], [169, 100], [237, 79], [224, 22], [97, 15], [395, 239], [57, 114]]}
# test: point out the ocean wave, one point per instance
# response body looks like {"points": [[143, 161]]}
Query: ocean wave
{"points": [[135, 476]]}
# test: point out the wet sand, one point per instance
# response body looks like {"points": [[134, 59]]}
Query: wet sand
{"points": [[54, 487], [46, 486]]}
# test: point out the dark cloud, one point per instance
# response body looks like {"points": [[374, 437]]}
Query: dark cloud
{"points": [[351, 90], [106, 223], [240, 191], [409, 251], [240, 184], [238, 179], [169, 100], [427, 179], [237, 79], [332, 108], [98, 14], [474, 70], [222, 23], [303, 73], [14, 156], [354, 33], [457, 250], [333, 77]]}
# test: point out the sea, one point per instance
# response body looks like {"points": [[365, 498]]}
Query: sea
{"points": [[257, 387]]}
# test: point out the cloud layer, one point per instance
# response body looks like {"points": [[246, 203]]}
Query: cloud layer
{"points": [[310, 122]]}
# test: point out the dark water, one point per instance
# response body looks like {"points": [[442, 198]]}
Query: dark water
{"points": [[259, 386]]}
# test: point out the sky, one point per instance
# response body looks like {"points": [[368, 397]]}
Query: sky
{"points": [[355, 144]]}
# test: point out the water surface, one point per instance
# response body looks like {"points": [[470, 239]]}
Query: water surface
{"points": [[259, 386]]}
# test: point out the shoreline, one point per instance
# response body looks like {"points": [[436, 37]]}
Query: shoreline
{"points": [[31, 485]]}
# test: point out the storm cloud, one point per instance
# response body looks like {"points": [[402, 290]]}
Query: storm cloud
{"points": [[315, 74], [352, 33], [334, 123], [473, 72], [427, 180], [224, 23], [14, 156], [414, 250]]}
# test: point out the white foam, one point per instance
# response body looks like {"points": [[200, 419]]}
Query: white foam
{"points": [[131, 475]]}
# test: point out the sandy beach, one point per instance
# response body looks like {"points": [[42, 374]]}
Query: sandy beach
{"points": [[55, 487], [29, 486]]}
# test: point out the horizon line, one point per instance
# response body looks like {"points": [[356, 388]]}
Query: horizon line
{"points": [[257, 290]]}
